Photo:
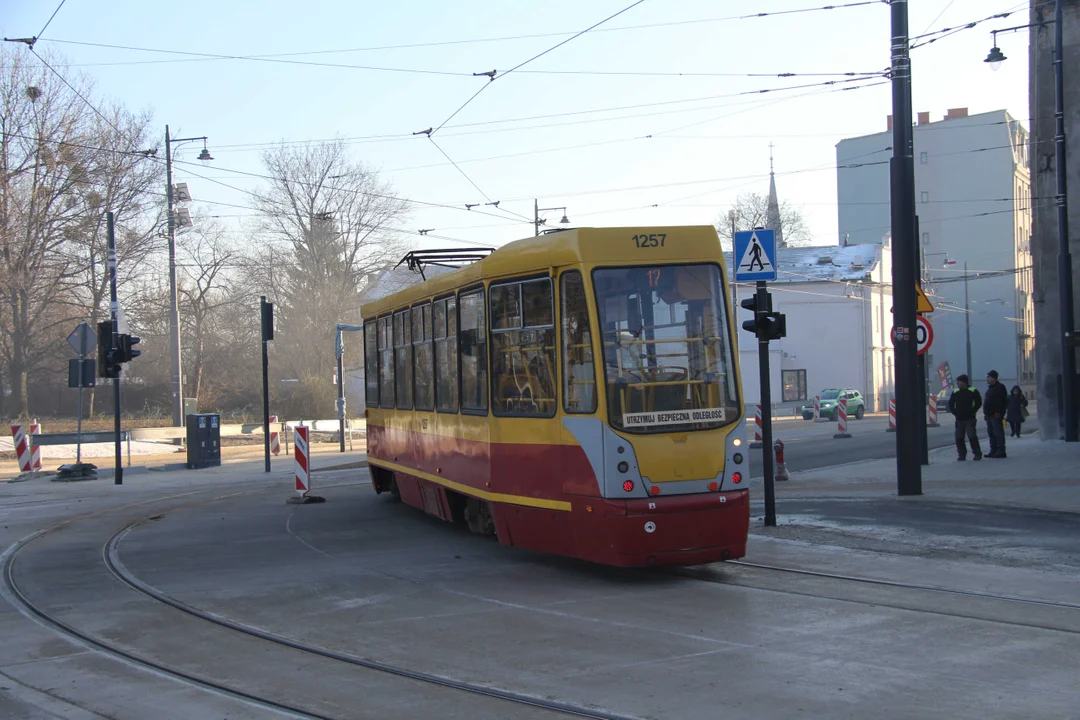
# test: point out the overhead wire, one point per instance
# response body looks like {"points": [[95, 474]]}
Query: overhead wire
{"points": [[495, 75], [49, 21]]}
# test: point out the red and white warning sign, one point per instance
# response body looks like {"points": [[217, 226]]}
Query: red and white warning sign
{"points": [[303, 460]]}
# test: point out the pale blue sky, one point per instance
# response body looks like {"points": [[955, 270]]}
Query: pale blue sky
{"points": [[691, 174]]}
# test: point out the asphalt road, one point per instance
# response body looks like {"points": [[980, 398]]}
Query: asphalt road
{"points": [[809, 445]]}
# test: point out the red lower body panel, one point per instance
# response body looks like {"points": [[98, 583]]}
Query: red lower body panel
{"points": [[662, 530]]}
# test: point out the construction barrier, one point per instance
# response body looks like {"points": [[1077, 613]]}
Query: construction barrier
{"points": [[275, 440], [303, 460], [35, 451], [757, 429], [841, 420], [817, 408], [23, 448], [931, 407], [892, 416]]}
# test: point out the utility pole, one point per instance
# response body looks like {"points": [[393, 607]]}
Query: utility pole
{"points": [[537, 222], [1065, 278], [924, 376], [266, 321], [905, 277], [174, 310]]}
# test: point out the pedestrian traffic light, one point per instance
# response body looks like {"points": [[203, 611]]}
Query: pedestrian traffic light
{"points": [[127, 351], [107, 368], [766, 325]]}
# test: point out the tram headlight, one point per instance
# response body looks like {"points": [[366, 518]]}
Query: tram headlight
{"points": [[623, 466], [737, 442], [738, 458]]}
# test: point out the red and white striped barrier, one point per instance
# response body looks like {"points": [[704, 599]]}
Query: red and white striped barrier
{"points": [[817, 408], [931, 407], [275, 440], [841, 420], [35, 451], [303, 460], [23, 449], [892, 416], [757, 429]]}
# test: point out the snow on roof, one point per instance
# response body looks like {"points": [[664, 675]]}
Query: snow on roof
{"points": [[823, 263]]}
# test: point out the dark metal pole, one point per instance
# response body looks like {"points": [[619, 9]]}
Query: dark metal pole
{"points": [[265, 383], [340, 389], [536, 217], [967, 324], [1065, 279], [766, 414], [174, 310], [114, 307], [905, 277]]}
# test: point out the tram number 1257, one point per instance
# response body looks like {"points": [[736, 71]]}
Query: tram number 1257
{"points": [[650, 241]]}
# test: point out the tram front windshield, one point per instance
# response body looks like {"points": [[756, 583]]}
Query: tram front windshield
{"points": [[667, 350]]}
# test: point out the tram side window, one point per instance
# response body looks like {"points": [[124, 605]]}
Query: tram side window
{"points": [[371, 363], [579, 376], [473, 355], [386, 362], [421, 333], [523, 348], [444, 316], [403, 360]]}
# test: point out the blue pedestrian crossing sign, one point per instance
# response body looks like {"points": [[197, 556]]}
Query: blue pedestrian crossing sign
{"points": [[755, 252]]}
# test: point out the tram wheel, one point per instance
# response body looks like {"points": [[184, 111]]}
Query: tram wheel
{"points": [[478, 517]]}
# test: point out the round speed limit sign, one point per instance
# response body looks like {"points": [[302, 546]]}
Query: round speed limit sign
{"points": [[924, 333]]}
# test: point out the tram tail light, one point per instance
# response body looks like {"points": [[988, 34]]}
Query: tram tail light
{"points": [[628, 485], [714, 486], [655, 490], [736, 477]]}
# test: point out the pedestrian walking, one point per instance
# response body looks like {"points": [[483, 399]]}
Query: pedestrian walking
{"points": [[964, 405], [995, 405], [1017, 412]]}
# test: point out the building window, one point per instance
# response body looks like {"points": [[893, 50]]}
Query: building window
{"points": [[794, 385], [403, 360], [473, 356], [926, 238], [579, 376], [386, 362], [923, 158], [446, 359], [924, 196], [371, 363], [421, 337], [523, 348]]}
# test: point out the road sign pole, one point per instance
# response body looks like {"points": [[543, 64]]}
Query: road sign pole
{"points": [[78, 428]]}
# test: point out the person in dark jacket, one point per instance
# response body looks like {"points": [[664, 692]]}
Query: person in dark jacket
{"points": [[995, 405], [1017, 413], [964, 405]]}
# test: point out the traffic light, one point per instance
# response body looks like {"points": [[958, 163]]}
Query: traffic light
{"points": [[127, 351], [106, 352], [766, 325]]}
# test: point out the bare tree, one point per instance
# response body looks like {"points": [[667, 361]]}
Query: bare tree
{"points": [[60, 167], [327, 222], [751, 210]]}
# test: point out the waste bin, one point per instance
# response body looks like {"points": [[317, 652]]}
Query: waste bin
{"points": [[203, 440]]}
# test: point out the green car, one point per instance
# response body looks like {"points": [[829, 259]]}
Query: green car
{"points": [[830, 404]]}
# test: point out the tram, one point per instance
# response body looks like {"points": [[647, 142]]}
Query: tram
{"points": [[575, 393]]}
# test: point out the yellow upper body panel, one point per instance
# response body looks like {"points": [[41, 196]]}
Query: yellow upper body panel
{"points": [[586, 246]]}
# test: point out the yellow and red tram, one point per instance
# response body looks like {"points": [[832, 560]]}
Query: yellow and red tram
{"points": [[575, 393]]}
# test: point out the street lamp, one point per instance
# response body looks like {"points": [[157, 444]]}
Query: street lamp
{"points": [[537, 221], [1065, 283], [174, 310], [996, 57]]}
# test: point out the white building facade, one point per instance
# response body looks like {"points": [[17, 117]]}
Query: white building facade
{"points": [[837, 301], [973, 200]]}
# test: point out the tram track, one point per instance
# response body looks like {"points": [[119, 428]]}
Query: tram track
{"points": [[1065, 616], [111, 558]]}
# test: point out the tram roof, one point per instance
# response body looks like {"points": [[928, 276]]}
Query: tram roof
{"points": [[554, 249]]}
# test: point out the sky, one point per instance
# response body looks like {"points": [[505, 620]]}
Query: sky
{"points": [[653, 117]]}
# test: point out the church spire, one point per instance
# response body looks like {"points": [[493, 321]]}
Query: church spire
{"points": [[772, 215]]}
